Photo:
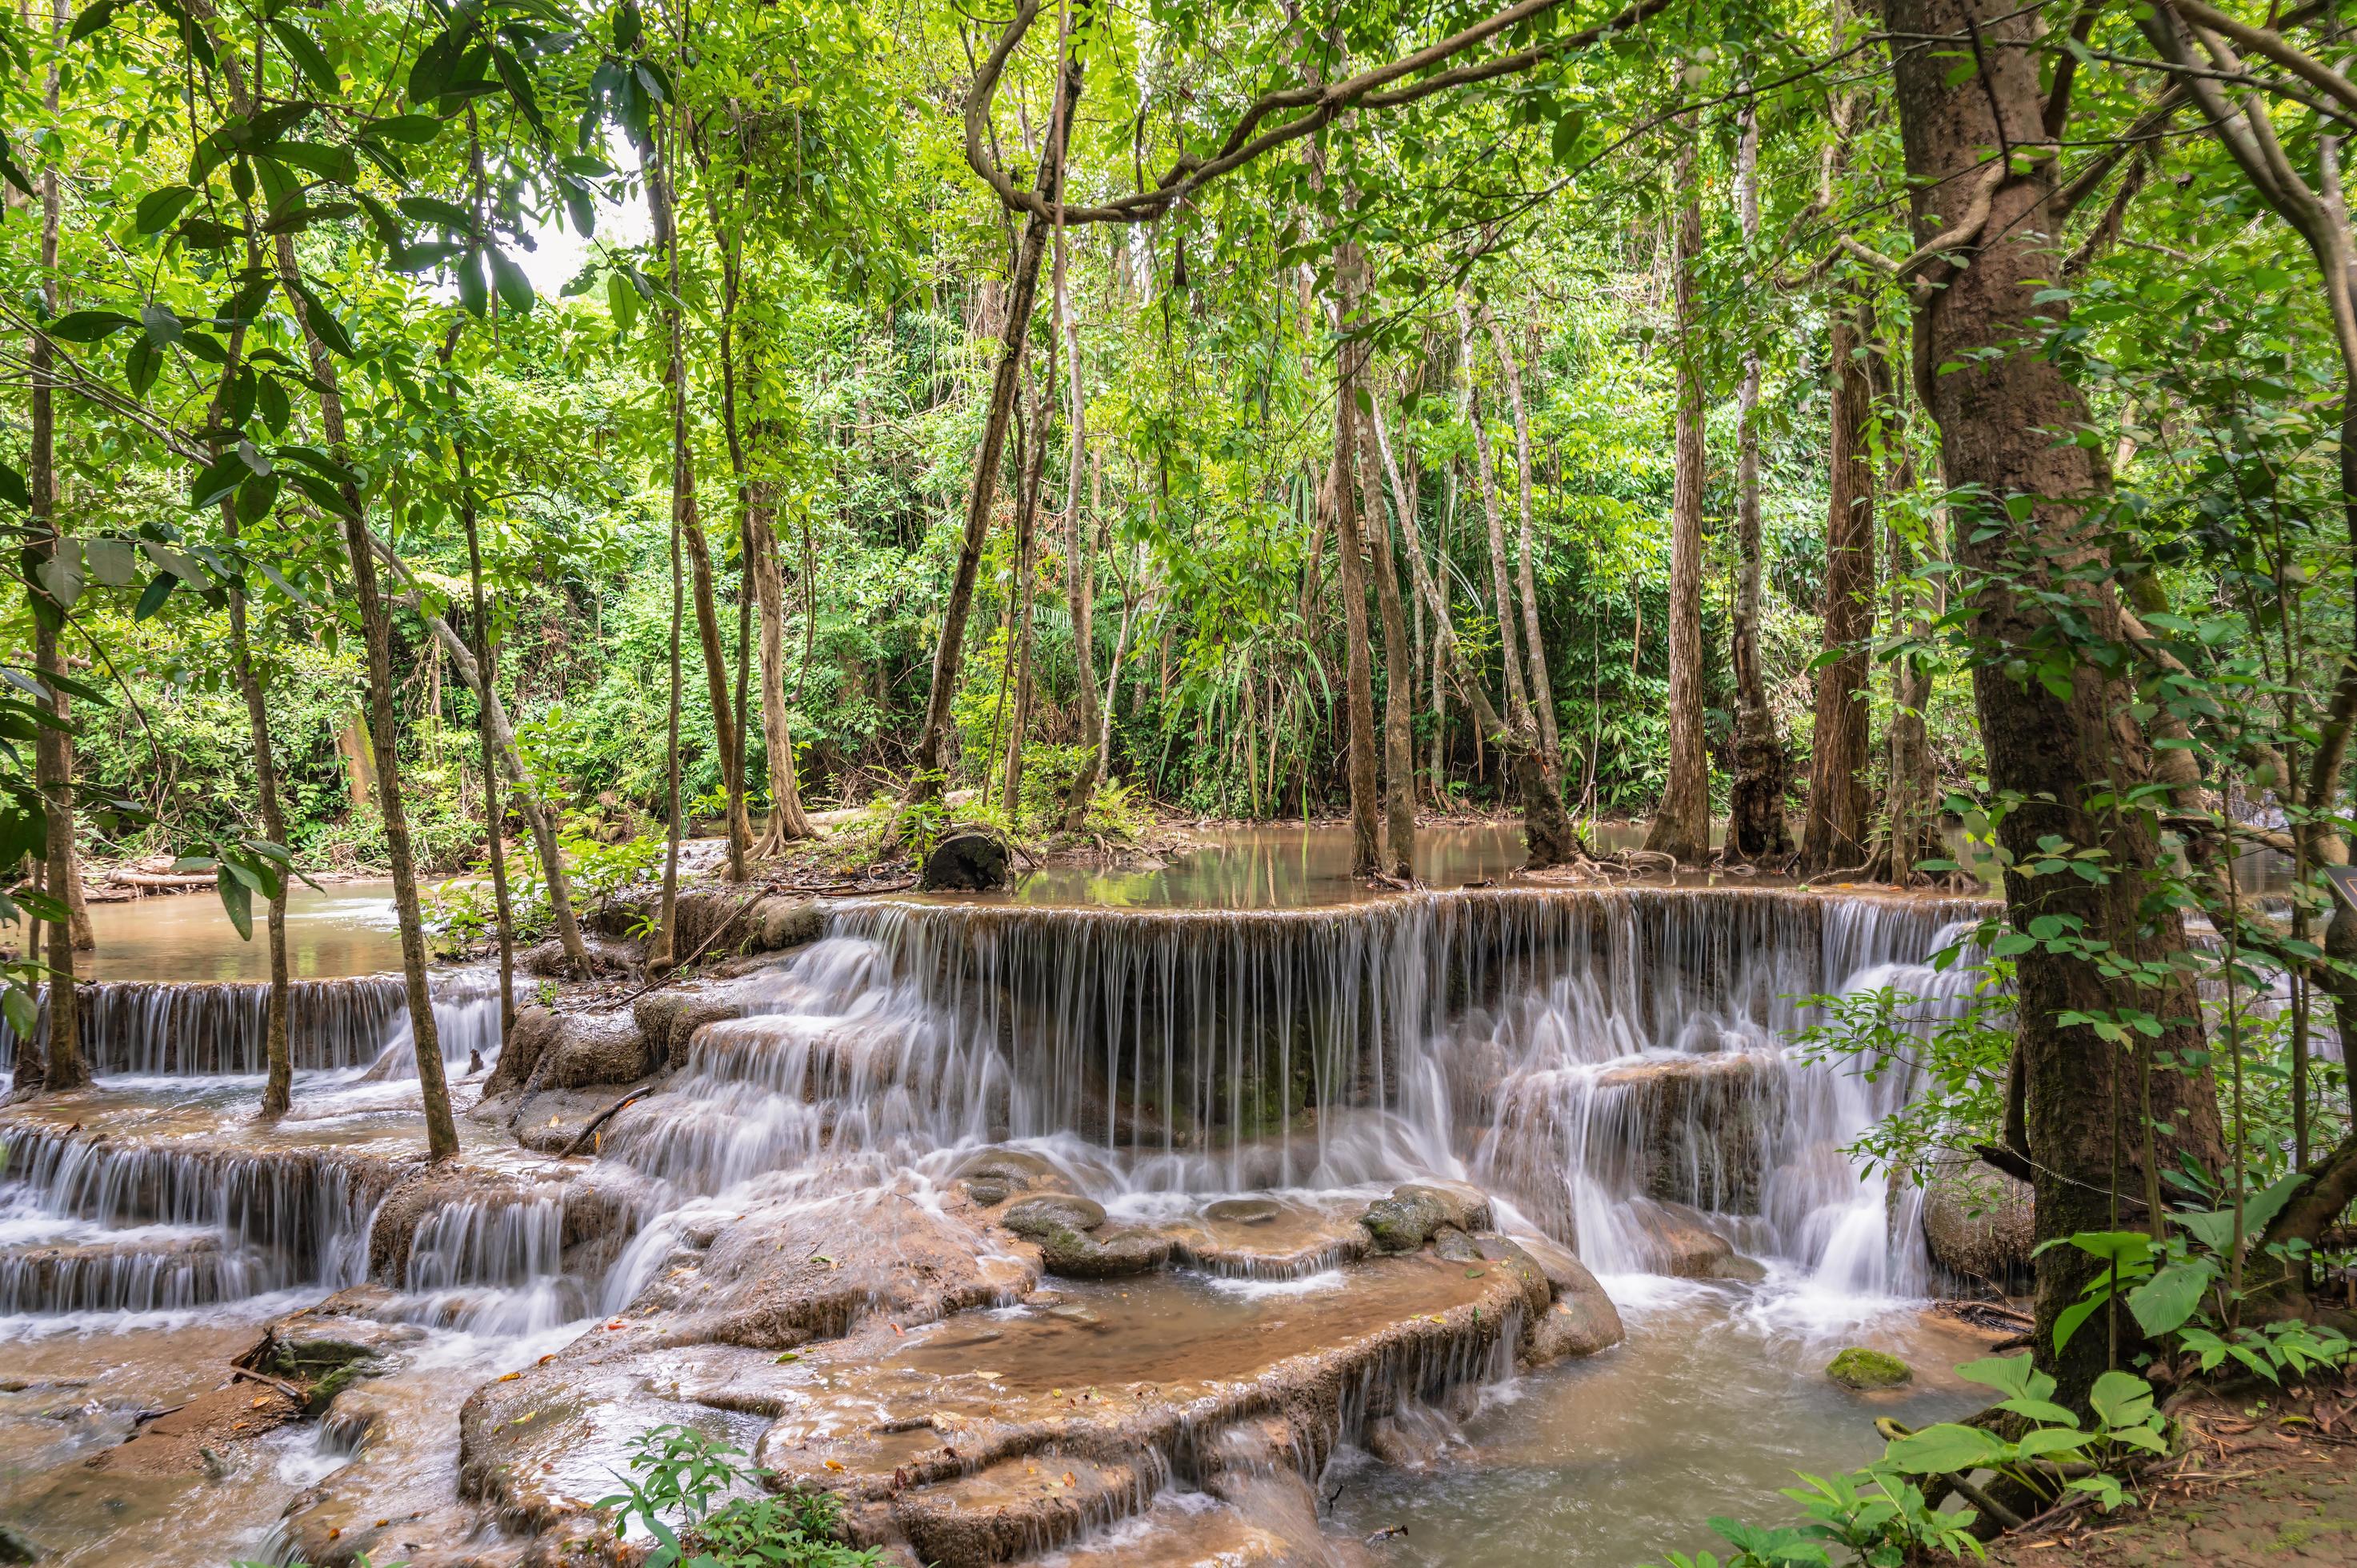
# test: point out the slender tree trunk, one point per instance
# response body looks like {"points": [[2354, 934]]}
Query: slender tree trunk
{"points": [[85, 938], [1836, 833], [924, 778], [52, 765], [2025, 539], [1079, 565], [1755, 828], [494, 815], [1542, 689], [663, 952], [441, 1132], [1548, 835], [1026, 519], [278, 1089], [716, 675], [1399, 676], [787, 822], [1681, 828], [1510, 652], [1366, 820], [1912, 802]]}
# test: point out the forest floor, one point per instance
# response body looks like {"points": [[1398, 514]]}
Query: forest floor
{"points": [[2258, 1485]]}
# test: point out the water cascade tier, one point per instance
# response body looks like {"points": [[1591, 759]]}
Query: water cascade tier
{"points": [[211, 1028], [1010, 1225]]}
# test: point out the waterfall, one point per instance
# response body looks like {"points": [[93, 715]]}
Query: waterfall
{"points": [[1595, 1057], [93, 1227], [208, 1028], [493, 1267]]}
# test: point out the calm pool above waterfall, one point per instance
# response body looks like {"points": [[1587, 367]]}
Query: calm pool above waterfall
{"points": [[1215, 1066]]}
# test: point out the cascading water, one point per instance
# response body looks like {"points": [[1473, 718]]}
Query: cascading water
{"points": [[220, 1029], [1587, 1056]]}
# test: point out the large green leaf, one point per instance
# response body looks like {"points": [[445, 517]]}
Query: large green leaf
{"points": [[308, 56], [1945, 1449], [2164, 1303], [2121, 1399]]}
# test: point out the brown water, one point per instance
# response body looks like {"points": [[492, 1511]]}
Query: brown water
{"points": [[1288, 867], [346, 928]]}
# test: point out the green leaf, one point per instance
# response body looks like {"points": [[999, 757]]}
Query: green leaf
{"points": [[414, 130], [163, 326], [515, 289], [158, 208], [307, 55], [2164, 1303], [256, 496], [142, 363], [88, 326], [2121, 1399], [2016, 1376], [92, 18], [114, 562], [214, 481], [158, 590], [472, 293], [1944, 1449], [61, 572], [12, 488], [323, 322], [621, 301], [11, 170], [204, 234], [238, 899], [337, 163], [2048, 1440], [2067, 1322], [443, 214]]}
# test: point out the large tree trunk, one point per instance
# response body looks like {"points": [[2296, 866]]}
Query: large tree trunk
{"points": [[1755, 828], [924, 778], [2025, 535], [1681, 828], [1542, 688], [1835, 834]]}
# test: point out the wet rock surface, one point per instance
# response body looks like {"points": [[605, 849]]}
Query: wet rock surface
{"points": [[1864, 1369]]}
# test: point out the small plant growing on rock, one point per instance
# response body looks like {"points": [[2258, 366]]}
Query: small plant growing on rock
{"points": [[688, 1489]]}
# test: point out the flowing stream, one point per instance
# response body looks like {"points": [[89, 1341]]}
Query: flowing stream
{"points": [[1612, 1066]]}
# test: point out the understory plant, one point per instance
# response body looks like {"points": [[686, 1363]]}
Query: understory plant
{"points": [[696, 1495], [1880, 1515]]}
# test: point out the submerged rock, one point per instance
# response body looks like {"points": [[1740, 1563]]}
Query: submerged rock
{"points": [[1858, 1368], [548, 1049]]}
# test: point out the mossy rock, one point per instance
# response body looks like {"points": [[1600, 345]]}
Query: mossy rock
{"points": [[1864, 1370]]}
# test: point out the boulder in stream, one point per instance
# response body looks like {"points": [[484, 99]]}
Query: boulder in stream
{"points": [[966, 860], [1977, 1225], [1418, 1211], [1864, 1369]]}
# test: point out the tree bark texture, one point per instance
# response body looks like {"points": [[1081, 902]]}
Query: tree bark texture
{"points": [[1998, 404], [494, 815], [1681, 827], [1836, 833]]}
